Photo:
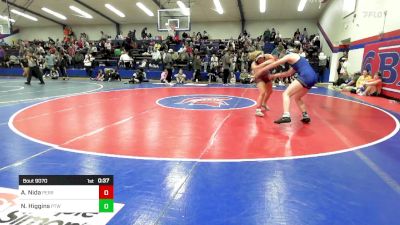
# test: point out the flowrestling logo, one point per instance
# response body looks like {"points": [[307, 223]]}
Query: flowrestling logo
{"points": [[206, 102], [11, 214]]}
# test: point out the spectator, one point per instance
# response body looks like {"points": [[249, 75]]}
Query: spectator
{"points": [[100, 75], [126, 60], [361, 81], [297, 33], [206, 61], [144, 33], [119, 36], [180, 77], [322, 63], [345, 65], [111, 74], [343, 74], [156, 58], [197, 68], [305, 33], [341, 61], [226, 64], [214, 63], [232, 80], [117, 51], [205, 35], [164, 77], [351, 85], [168, 63], [267, 35], [373, 87], [104, 36], [25, 66], [245, 77], [49, 63], [272, 35], [138, 77], [63, 61], [87, 63]]}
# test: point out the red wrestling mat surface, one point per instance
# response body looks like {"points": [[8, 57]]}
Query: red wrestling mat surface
{"points": [[131, 123]]}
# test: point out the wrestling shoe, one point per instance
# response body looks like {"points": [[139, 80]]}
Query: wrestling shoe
{"points": [[283, 120], [259, 113], [306, 118]]}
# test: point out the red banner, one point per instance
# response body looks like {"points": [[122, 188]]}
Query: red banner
{"points": [[384, 56]]}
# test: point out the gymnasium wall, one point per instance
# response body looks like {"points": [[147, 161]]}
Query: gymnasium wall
{"points": [[217, 30], [368, 21]]}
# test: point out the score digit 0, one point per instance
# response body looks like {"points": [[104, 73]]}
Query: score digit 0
{"points": [[106, 192]]}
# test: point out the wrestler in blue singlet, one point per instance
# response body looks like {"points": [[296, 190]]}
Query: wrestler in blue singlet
{"points": [[306, 74]]}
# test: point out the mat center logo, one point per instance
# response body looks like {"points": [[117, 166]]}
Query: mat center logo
{"points": [[206, 102]]}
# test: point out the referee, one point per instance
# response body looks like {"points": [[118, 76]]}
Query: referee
{"points": [[33, 70]]}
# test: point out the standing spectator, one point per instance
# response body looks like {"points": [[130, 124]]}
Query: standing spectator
{"points": [[25, 66], [214, 63], [168, 64], [273, 34], [144, 33], [305, 33], [206, 61], [233, 62], [87, 63], [226, 64], [63, 66], [108, 48], [104, 36], [341, 61], [267, 35], [322, 62], [49, 63], [197, 68], [345, 65], [244, 62], [119, 36], [296, 33]]}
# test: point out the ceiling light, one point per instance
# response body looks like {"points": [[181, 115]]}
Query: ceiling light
{"points": [[24, 15], [145, 9], [56, 14], [114, 10], [185, 11], [218, 6], [6, 18], [263, 6], [81, 12], [302, 3]]}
